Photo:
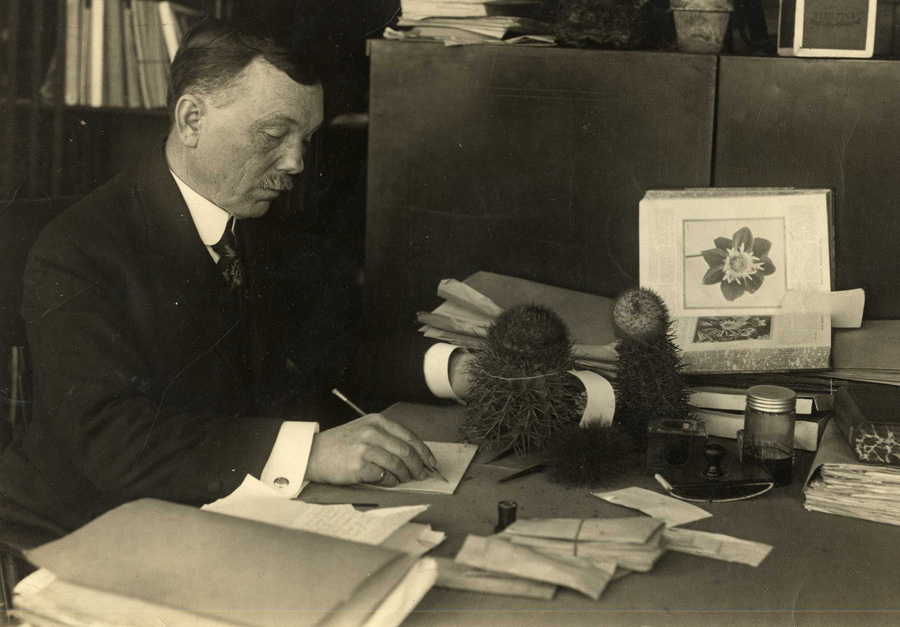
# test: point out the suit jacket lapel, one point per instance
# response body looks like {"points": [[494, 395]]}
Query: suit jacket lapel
{"points": [[262, 292], [182, 259]]}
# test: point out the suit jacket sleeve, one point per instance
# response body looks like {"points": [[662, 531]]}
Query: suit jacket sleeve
{"points": [[109, 422]]}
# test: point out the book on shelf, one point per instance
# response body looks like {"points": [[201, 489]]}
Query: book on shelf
{"points": [[114, 71], [73, 51], [118, 52], [839, 484], [132, 80], [868, 416], [98, 53]]}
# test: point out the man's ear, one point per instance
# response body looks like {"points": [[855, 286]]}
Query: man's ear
{"points": [[189, 118]]}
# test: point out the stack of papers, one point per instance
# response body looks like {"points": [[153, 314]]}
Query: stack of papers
{"points": [[472, 305], [460, 31], [152, 562], [868, 354], [839, 484]]}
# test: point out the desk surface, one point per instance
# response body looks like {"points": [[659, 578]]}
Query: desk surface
{"points": [[823, 570]]}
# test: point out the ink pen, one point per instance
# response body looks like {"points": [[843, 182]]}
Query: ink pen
{"points": [[360, 412]]}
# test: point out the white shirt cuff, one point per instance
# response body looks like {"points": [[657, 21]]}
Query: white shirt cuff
{"points": [[437, 370], [287, 462], [600, 404]]}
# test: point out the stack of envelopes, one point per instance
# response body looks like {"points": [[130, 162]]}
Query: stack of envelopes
{"points": [[632, 543], [532, 557]]}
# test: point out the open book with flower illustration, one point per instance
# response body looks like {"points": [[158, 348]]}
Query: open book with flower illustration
{"points": [[723, 260]]}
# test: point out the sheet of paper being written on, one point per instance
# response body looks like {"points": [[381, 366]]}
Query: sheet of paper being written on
{"points": [[666, 508], [717, 546], [254, 500], [453, 459]]}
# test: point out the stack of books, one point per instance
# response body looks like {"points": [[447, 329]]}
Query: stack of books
{"points": [[118, 52], [722, 410], [471, 22]]}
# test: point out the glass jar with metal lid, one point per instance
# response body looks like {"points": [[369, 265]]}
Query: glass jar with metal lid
{"points": [[768, 438]]}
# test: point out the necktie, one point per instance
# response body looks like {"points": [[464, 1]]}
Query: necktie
{"points": [[230, 264], [232, 268]]}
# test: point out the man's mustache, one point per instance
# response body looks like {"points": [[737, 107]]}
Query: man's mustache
{"points": [[277, 182]]}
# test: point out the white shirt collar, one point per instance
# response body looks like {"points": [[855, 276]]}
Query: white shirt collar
{"points": [[209, 219]]}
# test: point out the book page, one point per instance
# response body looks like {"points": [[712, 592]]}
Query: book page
{"points": [[689, 238]]}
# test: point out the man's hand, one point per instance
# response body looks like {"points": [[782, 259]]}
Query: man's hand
{"points": [[371, 449]]}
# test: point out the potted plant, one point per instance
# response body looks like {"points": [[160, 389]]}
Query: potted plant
{"points": [[700, 25]]}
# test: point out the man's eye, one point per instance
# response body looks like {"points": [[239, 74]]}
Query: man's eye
{"points": [[273, 137]]}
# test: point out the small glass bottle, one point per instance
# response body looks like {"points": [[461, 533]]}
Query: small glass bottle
{"points": [[769, 431]]}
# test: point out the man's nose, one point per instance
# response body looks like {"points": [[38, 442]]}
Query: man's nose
{"points": [[291, 161]]}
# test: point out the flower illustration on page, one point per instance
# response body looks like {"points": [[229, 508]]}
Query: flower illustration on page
{"points": [[739, 264]]}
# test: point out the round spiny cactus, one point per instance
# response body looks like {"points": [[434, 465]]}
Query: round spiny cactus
{"points": [[649, 381], [520, 393], [640, 314]]}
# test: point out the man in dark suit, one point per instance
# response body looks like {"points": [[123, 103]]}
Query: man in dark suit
{"points": [[150, 308]]}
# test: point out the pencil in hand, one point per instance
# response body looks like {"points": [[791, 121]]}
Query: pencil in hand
{"points": [[359, 411]]}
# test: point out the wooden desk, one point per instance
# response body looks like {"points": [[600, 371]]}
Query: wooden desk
{"points": [[823, 570]]}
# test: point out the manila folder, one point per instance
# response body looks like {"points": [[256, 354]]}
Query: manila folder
{"points": [[226, 569]]}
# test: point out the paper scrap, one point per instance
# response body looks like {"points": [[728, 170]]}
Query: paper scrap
{"points": [[458, 576], [461, 294], [414, 539], [846, 306], [254, 500], [717, 546], [601, 399], [453, 459], [35, 582], [666, 508], [585, 576]]}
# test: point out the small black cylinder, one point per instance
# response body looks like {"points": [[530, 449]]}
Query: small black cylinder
{"points": [[506, 515]]}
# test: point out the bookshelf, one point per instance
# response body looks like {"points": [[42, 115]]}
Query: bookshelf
{"points": [[50, 148]]}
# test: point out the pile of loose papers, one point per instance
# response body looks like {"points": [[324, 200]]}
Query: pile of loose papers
{"points": [[839, 484], [462, 22], [531, 558], [472, 305]]}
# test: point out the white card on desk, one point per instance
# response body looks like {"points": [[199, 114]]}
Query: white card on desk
{"points": [[666, 508], [717, 546], [453, 458]]}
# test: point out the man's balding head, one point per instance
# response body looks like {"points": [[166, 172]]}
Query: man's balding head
{"points": [[214, 53]]}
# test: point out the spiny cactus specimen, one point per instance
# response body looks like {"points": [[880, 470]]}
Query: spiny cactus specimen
{"points": [[587, 456], [649, 383], [520, 394]]}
